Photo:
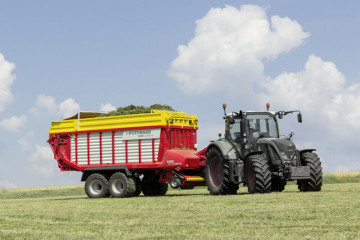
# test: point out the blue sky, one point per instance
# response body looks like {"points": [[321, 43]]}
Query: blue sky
{"points": [[59, 57]]}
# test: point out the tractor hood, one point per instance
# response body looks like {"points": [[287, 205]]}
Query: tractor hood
{"points": [[286, 146]]}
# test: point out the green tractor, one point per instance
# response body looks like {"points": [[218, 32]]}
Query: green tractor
{"points": [[252, 152]]}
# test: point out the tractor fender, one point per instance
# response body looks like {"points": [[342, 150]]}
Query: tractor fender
{"points": [[253, 153], [227, 149], [306, 150]]}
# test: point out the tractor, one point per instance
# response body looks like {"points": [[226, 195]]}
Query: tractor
{"points": [[252, 152]]}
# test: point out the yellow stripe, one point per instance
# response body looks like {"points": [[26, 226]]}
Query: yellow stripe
{"points": [[195, 179]]}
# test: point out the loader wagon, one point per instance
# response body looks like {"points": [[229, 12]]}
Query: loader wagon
{"points": [[122, 156]]}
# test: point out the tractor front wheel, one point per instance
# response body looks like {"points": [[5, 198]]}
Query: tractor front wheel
{"points": [[257, 174], [315, 182]]}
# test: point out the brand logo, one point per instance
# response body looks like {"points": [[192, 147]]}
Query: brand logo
{"points": [[139, 132]]}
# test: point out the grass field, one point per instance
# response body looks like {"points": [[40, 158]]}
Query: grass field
{"points": [[66, 213]]}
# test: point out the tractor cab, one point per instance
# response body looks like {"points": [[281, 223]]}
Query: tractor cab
{"points": [[253, 131]]}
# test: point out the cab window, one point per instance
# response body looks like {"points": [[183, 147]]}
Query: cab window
{"points": [[235, 130]]}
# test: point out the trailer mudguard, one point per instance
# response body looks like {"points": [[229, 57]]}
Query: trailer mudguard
{"points": [[104, 170], [227, 149]]}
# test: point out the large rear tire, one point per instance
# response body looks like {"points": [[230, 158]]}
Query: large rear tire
{"points": [[315, 182], [217, 174], [96, 186], [121, 186], [258, 174]]}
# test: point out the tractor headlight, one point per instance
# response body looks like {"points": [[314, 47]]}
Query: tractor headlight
{"points": [[284, 155]]}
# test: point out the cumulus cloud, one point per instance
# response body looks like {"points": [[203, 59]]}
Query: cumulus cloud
{"points": [[14, 123], [108, 107], [320, 91], [48, 105], [229, 47], [43, 160], [69, 107], [6, 80], [318, 83]]}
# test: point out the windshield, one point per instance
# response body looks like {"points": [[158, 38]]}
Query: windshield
{"points": [[235, 130], [265, 125]]}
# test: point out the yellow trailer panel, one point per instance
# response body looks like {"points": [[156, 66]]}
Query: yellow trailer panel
{"points": [[89, 121]]}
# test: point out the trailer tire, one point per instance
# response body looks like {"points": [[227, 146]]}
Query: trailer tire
{"points": [[257, 174], [138, 188], [217, 174], [315, 182], [278, 185], [121, 186], [154, 188], [96, 186]]}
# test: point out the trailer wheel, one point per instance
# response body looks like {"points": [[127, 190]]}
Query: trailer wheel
{"points": [[278, 185], [121, 186], [315, 182], [217, 174], [96, 186], [138, 188], [154, 188], [257, 174]]}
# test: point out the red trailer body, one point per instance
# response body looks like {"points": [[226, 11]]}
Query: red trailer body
{"points": [[162, 142]]}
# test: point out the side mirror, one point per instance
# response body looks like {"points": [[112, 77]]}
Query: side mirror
{"points": [[281, 115], [231, 120], [299, 117]]}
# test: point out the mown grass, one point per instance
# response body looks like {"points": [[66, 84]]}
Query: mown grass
{"points": [[333, 213]]}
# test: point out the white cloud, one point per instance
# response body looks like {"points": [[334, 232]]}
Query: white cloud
{"points": [[48, 105], [69, 107], [45, 104], [14, 123], [107, 107], [43, 161], [6, 80], [42, 153], [315, 86], [229, 47]]}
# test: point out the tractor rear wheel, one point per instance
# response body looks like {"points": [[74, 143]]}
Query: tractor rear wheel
{"points": [[278, 185], [121, 186], [315, 182], [217, 174], [96, 186], [257, 174]]}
